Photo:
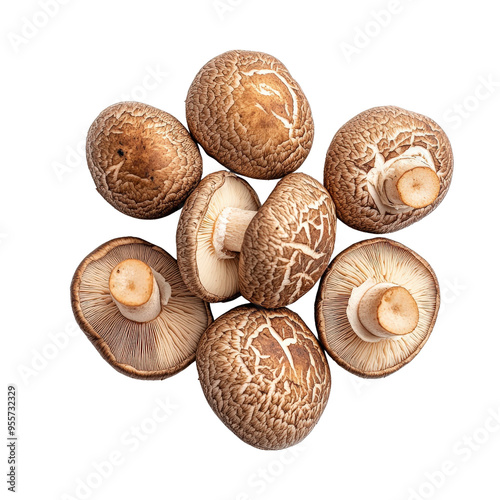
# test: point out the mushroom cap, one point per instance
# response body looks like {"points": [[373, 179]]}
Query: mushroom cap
{"points": [[153, 350], [248, 113], [288, 244], [143, 160], [264, 374], [205, 275], [383, 261], [351, 155]]}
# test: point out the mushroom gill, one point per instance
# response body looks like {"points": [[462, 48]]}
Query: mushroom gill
{"points": [[207, 267], [220, 275], [377, 261], [151, 349]]}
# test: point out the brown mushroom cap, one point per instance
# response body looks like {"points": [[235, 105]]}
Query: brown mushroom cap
{"points": [[380, 135], [211, 278], [152, 350], [382, 261], [143, 160], [284, 246], [288, 244], [264, 374], [248, 113]]}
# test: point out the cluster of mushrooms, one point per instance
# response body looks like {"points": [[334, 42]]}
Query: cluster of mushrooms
{"points": [[261, 369]]}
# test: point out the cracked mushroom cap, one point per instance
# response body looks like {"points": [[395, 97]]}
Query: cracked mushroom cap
{"points": [[143, 160], [152, 349], [248, 113], [288, 244], [376, 307], [265, 375], [279, 250], [207, 275], [387, 168]]}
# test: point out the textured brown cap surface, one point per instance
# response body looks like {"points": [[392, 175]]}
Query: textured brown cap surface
{"points": [[383, 261], [265, 375], [248, 113], [153, 350], [143, 160], [390, 131], [288, 244], [207, 276]]}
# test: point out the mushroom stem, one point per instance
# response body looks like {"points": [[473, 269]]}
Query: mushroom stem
{"points": [[411, 183], [403, 183], [138, 290], [387, 309], [381, 311], [229, 231]]}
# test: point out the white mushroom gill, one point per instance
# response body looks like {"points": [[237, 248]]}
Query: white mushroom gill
{"points": [[404, 182], [159, 344], [356, 273], [218, 266]]}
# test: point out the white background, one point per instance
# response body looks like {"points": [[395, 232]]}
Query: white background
{"points": [[379, 440]]}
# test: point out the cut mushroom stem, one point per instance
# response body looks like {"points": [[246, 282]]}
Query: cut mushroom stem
{"points": [[411, 182], [138, 291], [387, 310], [229, 231]]}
